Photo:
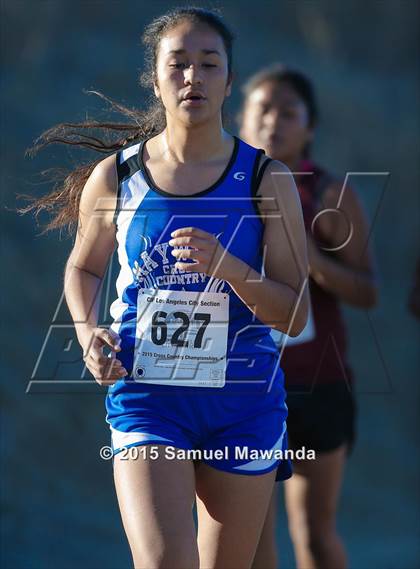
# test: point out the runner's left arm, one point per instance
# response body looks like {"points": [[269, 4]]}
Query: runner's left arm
{"points": [[280, 297]]}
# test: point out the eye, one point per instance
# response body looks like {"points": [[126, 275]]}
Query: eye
{"points": [[209, 65], [177, 65]]}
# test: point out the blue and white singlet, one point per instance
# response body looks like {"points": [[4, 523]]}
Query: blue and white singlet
{"points": [[203, 370]]}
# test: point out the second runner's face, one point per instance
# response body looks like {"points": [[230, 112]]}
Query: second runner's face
{"points": [[275, 118], [192, 73]]}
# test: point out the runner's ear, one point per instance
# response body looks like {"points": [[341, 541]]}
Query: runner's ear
{"points": [[156, 87], [228, 89]]}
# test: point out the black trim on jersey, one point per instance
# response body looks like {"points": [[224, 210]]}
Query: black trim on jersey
{"points": [[124, 171], [158, 190], [257, 176], [262, 170], [128, 168]]}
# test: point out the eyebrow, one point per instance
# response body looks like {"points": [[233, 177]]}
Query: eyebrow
{"points": [[205, 51]]}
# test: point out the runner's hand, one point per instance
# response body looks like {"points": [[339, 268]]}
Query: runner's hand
{"points": [[106, 370], [205, 249]]}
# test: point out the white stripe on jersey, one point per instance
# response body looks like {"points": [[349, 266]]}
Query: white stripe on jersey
{"points": [[133, 191]]}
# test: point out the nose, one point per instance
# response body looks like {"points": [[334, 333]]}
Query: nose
{"points": [[192, 75], [272, 118]]}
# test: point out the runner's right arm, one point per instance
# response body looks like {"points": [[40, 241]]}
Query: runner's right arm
{"points": [[86, 266]]}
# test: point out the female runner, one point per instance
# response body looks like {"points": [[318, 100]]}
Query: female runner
{"points": [[193, 366], [279, 115]]}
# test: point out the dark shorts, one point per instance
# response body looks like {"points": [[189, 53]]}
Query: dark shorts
{"points": [[322, 419]]}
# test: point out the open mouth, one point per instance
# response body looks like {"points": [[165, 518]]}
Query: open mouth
{"points": [[193, 101], [193, 98]]}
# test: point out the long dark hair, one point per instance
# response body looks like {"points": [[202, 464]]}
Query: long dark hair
{"points": [[63, 201], [278, 73]]}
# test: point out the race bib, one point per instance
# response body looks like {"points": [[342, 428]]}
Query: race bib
{"points": [[181, 338], [307, 334]]}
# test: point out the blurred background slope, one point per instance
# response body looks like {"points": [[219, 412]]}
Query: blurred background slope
{"points": [[59, 503]]}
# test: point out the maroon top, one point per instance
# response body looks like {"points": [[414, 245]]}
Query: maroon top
{"points": [[322, 359]]}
